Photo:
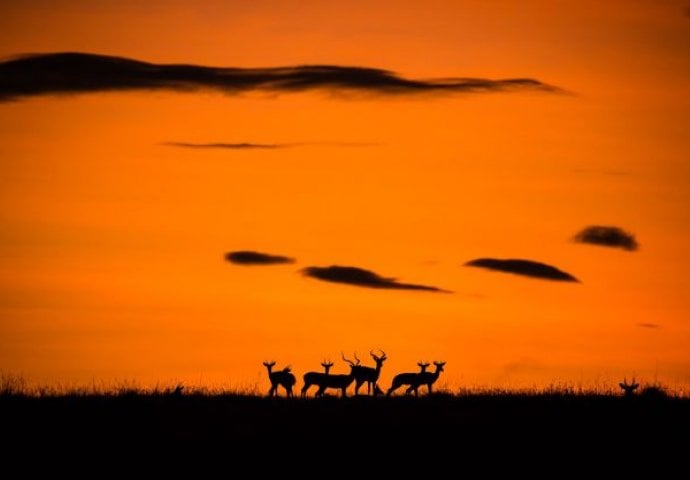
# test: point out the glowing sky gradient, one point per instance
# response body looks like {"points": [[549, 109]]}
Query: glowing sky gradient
{"points": [[113, 240]]}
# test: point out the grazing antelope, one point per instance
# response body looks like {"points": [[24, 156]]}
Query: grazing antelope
{"points": [[315, 378], [415, 380], [367, 374], [628, 388], [281, 377]]}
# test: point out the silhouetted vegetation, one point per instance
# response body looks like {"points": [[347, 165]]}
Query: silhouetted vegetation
{"points": [[561, 425]]}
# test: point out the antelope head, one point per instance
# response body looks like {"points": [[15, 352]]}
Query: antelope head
{"points": [[439, 366], [269, 365], [422, 366], [379, 359], [628, 388], [326, 365]]}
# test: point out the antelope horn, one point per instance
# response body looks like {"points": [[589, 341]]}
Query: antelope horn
{"points": [[345, 359]]}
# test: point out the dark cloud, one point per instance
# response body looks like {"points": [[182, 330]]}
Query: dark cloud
{"points": [[528, 268], [607, 237], [362, 278], [648, 325], [247, 257], [264, 146], [60, 73]]}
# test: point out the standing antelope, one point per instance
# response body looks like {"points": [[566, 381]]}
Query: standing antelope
{"points": [[628, 388], [367, 374], [415, 380], [315, 378], [340, 382], [422, 369], [281, 377]]}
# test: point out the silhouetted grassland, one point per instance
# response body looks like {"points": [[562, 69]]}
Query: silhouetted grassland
{"points": [[571, 427]]}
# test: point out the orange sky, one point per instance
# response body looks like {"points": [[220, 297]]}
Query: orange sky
{"points": [[111, 244]]}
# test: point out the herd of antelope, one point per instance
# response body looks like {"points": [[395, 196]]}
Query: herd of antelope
{"points": [[359, 374]]}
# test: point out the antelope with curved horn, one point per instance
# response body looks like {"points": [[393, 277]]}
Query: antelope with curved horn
{"points": [[415, 380], [367, 374], [628, 388], [280, 378], [315, 378]]}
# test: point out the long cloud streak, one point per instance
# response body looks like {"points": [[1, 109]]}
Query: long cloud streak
{"points": [[62, 73], [362, 278], [264, 146], [527, 268]]}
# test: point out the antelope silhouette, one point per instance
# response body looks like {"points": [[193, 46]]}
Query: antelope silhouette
{"points": [[367, 374], [315, 378], [280, 378], [341, 382], [628, 388], [422, 369], [415, 380]]}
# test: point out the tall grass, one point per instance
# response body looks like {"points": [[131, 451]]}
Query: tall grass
{"points": [[18, 386]]}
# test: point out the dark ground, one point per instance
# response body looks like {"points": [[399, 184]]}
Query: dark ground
{"points": [[448, 433]]}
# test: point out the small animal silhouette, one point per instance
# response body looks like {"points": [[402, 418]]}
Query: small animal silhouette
{"points": [[367, 374], [280, 378], [415, 380], [628, 388], [315, 378]]}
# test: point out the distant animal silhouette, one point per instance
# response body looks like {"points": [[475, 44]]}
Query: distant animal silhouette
{"points": [[628, 388], [367, 374], [280, 378], [422, 366], [315, 378], [415, 380]]}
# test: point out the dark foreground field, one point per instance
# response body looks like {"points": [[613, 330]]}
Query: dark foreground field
{"points": [[493, 431]]}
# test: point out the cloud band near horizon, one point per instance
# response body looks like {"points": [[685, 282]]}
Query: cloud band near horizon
{"points": [[263, 146], [72, 72]]}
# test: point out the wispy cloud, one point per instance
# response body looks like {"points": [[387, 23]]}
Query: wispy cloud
{"points": [[527, 268], [362, 278], [63, 73], [615, 173], [607, 236], [648, 325], [248, 257], [228, 146], [265, 146]]}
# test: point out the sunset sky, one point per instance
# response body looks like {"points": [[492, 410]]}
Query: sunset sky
{"points": [[114, 228]]}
